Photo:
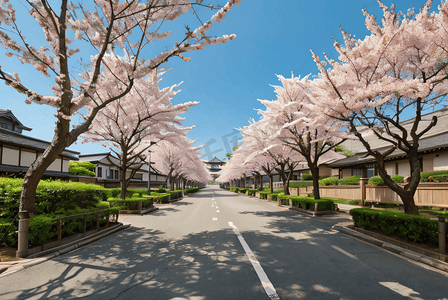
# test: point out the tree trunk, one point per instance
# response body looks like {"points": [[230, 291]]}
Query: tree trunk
{"points": [[271, 183], [315, 172]]}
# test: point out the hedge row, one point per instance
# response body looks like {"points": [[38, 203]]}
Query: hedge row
{"points": [[296, 184], [307, 202], [377, 180], [131, 203], [191, 190], [418, 229]]}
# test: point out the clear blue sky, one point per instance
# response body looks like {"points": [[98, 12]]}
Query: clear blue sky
{"points": [[273, 37]]}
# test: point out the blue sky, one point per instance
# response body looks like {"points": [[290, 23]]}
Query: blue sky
{"points": [[273, 37]]}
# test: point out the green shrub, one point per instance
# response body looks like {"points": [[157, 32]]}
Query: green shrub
{"points": [[84, 168], [329, 181], [132, 203], [251, 192], [191, 190], [272, 197], [415, 228], [161, 189], [299, 184], [438, 178], [353, 180], [242, 190], [42, 229], [375, 180], [81, 171], [160, 198], [307, 177], [398, 179], [424, 177]]}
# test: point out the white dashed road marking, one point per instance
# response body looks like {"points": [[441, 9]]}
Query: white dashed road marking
{"points": [[267, 285], [218, 210], [401, 289], [215, 219]]}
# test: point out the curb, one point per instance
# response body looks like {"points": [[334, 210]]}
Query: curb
{"points": [[42, 256], [395, 249]]}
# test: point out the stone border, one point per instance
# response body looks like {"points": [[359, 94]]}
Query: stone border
{"points": [[139, 212], [311, 212], [8, 268], [395, 249]]}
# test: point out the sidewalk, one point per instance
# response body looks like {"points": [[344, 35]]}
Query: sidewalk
{"points": [[10, 267]]}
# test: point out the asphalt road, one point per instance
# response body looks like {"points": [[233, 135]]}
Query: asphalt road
{"points": [[198, 249]]}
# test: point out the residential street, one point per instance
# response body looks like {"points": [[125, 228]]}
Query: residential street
{"points": [[197, 249]]}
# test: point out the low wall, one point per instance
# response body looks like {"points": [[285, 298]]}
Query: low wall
{"points": [[427, 194]]}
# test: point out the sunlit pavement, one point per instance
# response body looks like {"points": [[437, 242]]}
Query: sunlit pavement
{"points": [[216, 244]]}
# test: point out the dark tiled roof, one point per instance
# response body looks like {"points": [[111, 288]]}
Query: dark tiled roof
{"points": [[432, 143], [20, 140], [6, 113], [215, 160]]}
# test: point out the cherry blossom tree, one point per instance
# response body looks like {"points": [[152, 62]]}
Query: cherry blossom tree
{"points": [[178, 159], [235, 169], [400, 68], [111, 35], [129, 125], [307, 131]]}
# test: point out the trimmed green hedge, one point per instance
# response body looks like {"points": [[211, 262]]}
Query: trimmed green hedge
{"points": [[299, 184], [191, 190], [415, 228], [307, 177], [329, 181], [251, 192], [424, 177], [242, 190], [377, 180], [84, 168], [352, 180], [131, 203], [308, 202]]}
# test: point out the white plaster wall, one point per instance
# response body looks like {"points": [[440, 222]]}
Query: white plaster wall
{"points": [[441, 162], [334, 172], [55, 166], [10, 156], [390, 168], [65, 163], [404, 169], [27, 158], [346, 173]]}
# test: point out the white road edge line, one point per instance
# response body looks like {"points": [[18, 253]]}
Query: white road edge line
{"points": [[344, 252], [400, 289], [267, 285]]}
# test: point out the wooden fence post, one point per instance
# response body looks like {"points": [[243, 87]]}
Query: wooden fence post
{"points": [[363, 182]]}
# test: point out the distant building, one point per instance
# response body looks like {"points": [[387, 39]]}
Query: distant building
{"points": [[108, 174], [214, 166], [18, 151]]}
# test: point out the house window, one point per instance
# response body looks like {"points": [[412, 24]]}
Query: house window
{"points": [[116, 174], [370, 172], [138, 176], [99, 172]]}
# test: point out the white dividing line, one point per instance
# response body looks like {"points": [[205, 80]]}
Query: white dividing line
{"points": [[215, 219], [344, 252], [267, 285], [218, 210], [401, 289]]}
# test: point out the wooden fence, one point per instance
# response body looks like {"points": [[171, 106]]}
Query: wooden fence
{"points": [[427, 194]]}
